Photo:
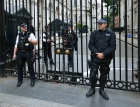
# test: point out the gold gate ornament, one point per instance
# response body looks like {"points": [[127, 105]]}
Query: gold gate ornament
{"points": [[58, 51], [67, 51]]}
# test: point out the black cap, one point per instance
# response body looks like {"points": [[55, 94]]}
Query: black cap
{"points": [[69, 26], [23, 24], [101, 21], [47, 27]]}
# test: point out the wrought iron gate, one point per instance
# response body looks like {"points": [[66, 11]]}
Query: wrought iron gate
{"points": [[121, 15]]}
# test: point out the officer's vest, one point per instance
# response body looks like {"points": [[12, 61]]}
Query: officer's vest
{"points": [[70, 36], [48, 36], [23, 43]]}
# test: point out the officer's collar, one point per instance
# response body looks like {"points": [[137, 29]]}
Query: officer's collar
{"points": [[23, 33], [103, 30]]}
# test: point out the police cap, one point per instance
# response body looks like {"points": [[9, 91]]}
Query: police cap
{"points": [[23, 24], [47, 27], [69, 26], [101, 21]]}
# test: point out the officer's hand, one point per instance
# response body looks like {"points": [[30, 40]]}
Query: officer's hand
{"points": [[14, 57], [65, 40], [48, 40], [100, 55]]}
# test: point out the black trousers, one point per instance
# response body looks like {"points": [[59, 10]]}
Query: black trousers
{"points": [[103, 66], [70, 56], [47, 51], [23, 57]]}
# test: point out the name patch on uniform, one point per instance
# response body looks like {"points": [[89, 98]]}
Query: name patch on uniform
{"points": [[107, 34]]}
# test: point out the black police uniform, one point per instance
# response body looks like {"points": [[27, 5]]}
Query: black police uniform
{"points": [[101, 42], [47, 48], [25, 53], [71, 43]]}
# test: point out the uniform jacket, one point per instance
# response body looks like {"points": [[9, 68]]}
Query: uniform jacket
{"points": [[71, 39], [102, 42], [46, 36]]}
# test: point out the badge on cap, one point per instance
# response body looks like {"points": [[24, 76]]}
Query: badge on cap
{"points": [[101, 21], [23, 25]]}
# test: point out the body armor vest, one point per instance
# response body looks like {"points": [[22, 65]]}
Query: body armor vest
{"points": [[70, 36], [23, 43], [48, 36]]}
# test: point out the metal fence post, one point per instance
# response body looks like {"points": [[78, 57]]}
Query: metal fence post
{"points": [[139, 44], [1, 37]]}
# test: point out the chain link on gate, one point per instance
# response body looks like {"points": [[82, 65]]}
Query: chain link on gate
{"points": [[82, 16]]}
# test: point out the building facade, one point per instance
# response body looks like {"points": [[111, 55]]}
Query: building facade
{"points": [[129, 12]]}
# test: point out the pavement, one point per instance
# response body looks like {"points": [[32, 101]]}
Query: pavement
{"points": [[49, 94]]}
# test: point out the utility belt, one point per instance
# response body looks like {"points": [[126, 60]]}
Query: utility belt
{"points": [[25, 51]]}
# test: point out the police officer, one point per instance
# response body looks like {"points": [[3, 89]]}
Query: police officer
{"points": [[70, 41], [47, 40], [102, 45], [23, 51]]}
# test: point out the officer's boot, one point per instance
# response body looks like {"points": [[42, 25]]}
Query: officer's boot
{"points": [[102, 86], [51, 62], [91, 91], [93, 81]]}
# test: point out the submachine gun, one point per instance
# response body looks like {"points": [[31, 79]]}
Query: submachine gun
{"points": [[65, 49], [65, 36], [49, 37]]}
